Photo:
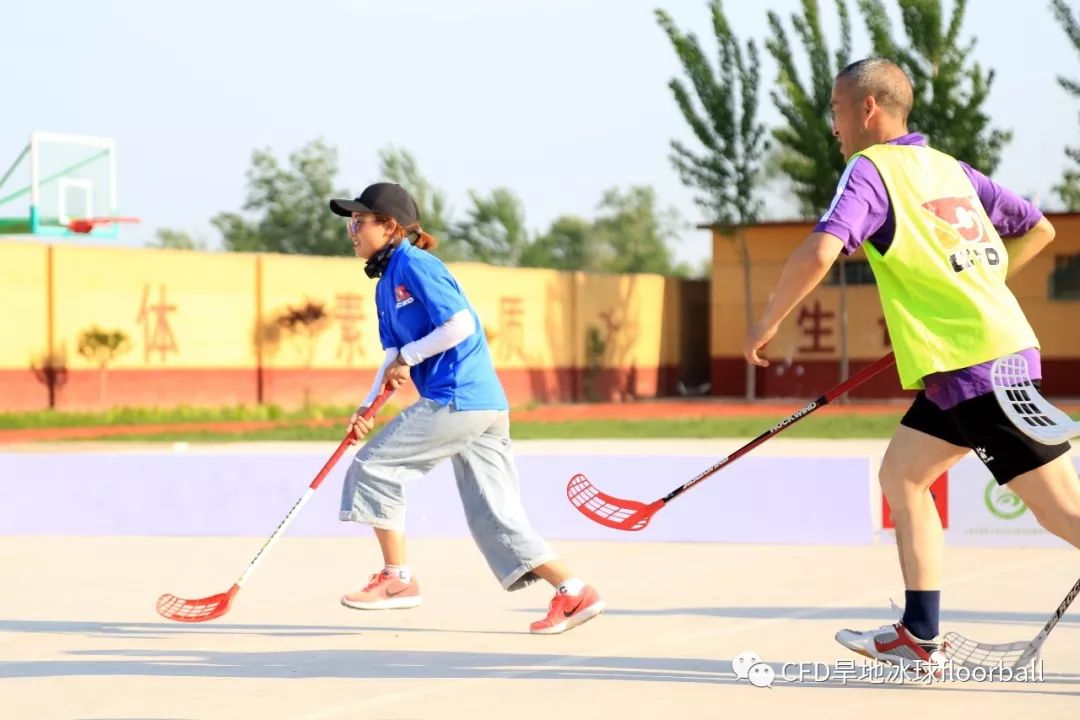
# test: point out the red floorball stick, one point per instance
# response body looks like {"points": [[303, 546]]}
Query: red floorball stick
{"points": [[214, 606], [633, 515]]}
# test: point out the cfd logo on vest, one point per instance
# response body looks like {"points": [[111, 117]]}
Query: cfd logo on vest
{"points": [[967, 238]]}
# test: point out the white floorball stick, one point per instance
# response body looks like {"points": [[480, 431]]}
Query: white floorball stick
{"points": [[1029, 411]]}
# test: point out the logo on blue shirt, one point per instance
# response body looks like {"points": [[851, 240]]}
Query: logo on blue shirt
{"points": [[402, 297]]}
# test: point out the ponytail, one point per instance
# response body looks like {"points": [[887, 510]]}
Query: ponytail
{"points": [[423, 240], [416, 235]]}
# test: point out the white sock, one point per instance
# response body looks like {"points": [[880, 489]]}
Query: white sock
{"points": [[402, 572], [572, 586]]}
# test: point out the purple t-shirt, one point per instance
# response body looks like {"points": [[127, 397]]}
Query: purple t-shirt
{"points": [[861, 212]]}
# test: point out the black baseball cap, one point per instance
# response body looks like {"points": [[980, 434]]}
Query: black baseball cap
{"points": [[384, 198]]}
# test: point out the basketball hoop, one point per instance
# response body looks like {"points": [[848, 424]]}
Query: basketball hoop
{"points": [[87, 225]]}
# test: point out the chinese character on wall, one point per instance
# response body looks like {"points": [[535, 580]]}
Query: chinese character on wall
{"points": [[349, 312], [813, 324], [511, 327], [157, 334]]}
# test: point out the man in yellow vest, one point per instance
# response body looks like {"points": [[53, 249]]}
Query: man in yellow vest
{"points": [[932, 229]]}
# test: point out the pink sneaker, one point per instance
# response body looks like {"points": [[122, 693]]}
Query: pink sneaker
{"points": [[384, 592], [569, 611]]}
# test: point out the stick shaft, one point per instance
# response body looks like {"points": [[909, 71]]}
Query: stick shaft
{"points": [[1059, 613], [276, 535], [299, 504], [848, 385]]}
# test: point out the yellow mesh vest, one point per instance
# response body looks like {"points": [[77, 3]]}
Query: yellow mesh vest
{"points": [[942, 280]]}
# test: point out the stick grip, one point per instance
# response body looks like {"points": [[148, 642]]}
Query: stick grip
{"points": [[347, 441]]}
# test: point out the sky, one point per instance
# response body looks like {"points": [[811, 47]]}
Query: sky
{"points": [[557, 100]]}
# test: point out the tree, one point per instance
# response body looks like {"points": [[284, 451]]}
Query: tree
{"points": [[569, 244], [494, 230], [950, 91], [1069, 189], [166, 239], [400, 166], [50, 369], [724, 121], [102, 347], [635, 231], [286, 207], [809, 154], [303, 324]]}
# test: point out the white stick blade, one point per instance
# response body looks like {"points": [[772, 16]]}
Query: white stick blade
{"points": [[1029, 411], [964, 652]]}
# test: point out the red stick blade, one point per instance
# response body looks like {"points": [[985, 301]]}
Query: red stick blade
{"points": [[193, 611], [606, 509]]}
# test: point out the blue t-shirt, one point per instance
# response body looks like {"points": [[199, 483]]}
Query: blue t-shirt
{"points": [[417, 294]]}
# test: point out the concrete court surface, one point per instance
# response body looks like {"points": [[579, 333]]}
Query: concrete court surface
{"points": [[80, 639]]}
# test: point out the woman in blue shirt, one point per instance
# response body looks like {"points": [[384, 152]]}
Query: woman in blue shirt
{"points": [[432, 335]]}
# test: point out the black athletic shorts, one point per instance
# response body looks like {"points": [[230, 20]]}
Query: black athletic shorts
{"points": [[981, 424]]}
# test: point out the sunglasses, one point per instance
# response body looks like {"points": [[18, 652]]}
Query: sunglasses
{"points": [[354, 224]]}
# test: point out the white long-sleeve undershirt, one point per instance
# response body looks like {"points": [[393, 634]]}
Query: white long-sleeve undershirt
{"points": [[450, 334], [377, 385]]}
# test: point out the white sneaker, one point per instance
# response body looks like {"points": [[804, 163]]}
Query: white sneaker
{"points": [[895, 644]]}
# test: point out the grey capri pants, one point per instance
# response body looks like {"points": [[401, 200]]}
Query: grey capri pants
{"points": [[478, 444]]}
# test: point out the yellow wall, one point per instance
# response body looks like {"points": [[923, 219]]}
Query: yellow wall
{"points": [[528, 314], [180, 309], [771, 244], [636, 316], [192, 311], [24, 328], [349, 337]]}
